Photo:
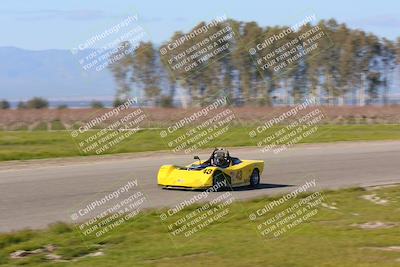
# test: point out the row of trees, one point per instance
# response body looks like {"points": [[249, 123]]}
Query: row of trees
{"points": [[41, 103], [354, 62], [34, 103]]}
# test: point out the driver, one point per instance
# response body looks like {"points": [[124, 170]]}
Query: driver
{"points": [[221, 159]]}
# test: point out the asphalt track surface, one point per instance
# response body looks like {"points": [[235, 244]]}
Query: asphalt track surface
{"points": [[36, 193]]}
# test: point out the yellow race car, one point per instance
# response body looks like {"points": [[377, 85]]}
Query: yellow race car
{"points": [[219, 171]]}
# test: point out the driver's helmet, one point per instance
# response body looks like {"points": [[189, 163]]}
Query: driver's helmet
{"points": [[220, 158]]}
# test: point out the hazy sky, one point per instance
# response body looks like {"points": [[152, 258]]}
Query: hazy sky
{"points": [[46, 24]]}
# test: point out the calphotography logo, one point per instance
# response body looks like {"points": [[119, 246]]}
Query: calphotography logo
{"points": [[281, 50], [282, 215], [188, 218], [203, 45], [105, 131], [110, 45], [200, 129], [108, 212], [296, 125]]}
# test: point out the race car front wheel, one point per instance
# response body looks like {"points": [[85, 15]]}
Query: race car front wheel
{"points": [[255, 178], [220, 178]]}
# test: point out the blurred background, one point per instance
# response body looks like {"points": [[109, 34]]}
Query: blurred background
{"points": [[359, 67]]}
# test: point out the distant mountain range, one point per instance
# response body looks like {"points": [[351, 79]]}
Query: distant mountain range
{"points": [[53, 74]]}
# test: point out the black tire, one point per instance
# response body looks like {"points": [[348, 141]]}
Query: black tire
{"points": [[255, 178], [218, 177]]}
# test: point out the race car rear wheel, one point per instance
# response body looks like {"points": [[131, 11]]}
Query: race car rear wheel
{"points": [[218, 178], [255, 178]]}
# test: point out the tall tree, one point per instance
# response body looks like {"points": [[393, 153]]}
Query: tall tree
{"points": [[146, 71], [121, 66]]}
